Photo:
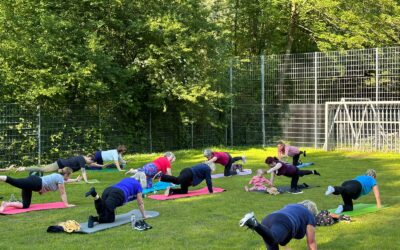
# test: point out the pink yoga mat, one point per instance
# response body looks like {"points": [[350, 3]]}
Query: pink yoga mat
{"points": [[203, 191], [34, 207]]}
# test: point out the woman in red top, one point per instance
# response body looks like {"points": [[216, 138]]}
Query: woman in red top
{"points": [[160, 166], [223, 158]]}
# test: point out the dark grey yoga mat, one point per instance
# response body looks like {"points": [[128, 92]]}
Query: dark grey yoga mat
{"points": [[286, 189], [120, 219]]}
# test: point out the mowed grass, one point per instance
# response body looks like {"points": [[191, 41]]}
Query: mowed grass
{"points": [[211, 221]]}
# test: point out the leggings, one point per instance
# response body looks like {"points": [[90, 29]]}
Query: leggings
{"points": [[350, 190], [150, 169], [184, 179], [111, 198], [53, 167], [29, 184], [295, 178], [275, 231], [227, 170]]}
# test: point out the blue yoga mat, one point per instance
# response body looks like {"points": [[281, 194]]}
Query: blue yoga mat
{"points": [[157, 187], [306, 164]]}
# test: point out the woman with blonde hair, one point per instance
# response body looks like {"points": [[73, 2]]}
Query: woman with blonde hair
{"points": [[44, 184], [353, 189], [294, 221]]}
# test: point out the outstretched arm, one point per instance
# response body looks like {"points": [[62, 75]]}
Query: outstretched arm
{"points": [[209, 183], [95, 164], [276, 167], [118, 166], [63, 195], [141, 204], [272, 178], [84, 175], [310, 234], [169, 172], [377, 196], [212, 160]]}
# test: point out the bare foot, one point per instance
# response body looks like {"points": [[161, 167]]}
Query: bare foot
{"points": [[3, 206], [246, 188], [166, 193]]}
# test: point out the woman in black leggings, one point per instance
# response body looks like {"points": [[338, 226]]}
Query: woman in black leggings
{"points": [[190, 177], [44, 184]]}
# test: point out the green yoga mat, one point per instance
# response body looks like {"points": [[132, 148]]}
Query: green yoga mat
{"points": [[104, 170], [91, 181], [360, 209]]}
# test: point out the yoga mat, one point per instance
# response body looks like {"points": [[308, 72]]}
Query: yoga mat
{"points": [[103, 170], [286, 189], [203, 191], [306, 164], [120, 219], [34, 207], [360, 209], [91, 181], [244, 172], [158, 186]]}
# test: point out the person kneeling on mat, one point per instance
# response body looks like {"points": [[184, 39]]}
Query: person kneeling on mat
{"points": [[190, 177], [128, 189], [44, 184], [294, 221], [281, 168], [353, 189], [223, 158]]}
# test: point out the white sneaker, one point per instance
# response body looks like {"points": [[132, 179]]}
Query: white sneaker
{"points": [[246, 217], [339, 209], [244, 159], [329, 190]]}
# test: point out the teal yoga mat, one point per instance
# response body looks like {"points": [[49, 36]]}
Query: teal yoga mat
{"points": [[360, 209], [104, 170]]}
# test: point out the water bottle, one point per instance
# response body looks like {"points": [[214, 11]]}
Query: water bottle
{"points": [[133, 221]]}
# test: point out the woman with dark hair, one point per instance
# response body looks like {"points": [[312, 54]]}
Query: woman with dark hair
{"points": [[44, 184], [353, 189], [223, 158], [281, 168], [294, 221]]}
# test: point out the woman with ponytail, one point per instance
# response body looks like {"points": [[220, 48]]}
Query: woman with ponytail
{"points": [[44, 184]]}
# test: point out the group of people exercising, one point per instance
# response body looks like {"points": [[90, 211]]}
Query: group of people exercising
{"points": [[292, 221]]}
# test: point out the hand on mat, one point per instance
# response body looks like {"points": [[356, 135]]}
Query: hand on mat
{"points": [[122, 170], [79, 178], [71, 205], [130, 171]]}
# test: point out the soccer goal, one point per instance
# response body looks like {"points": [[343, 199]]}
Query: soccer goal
{"points": [[362, 124]]}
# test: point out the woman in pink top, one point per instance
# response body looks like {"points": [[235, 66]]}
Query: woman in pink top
{"points": [[160, 166], [258, 182], [291, 151], [223, 158]]}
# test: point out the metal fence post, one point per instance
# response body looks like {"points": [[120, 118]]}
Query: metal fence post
{"points": [[231, 87], [377, 141], [315, 98], [192, 132], [262, 100], [39, 135], [150, 137]]}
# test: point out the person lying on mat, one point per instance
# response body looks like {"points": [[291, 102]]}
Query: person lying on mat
{"points": [[150, 171], [192, 176], [128, 189], [223, 158], [44, 184], [353, 189], [289, 151], [114, 155], [294, 221], [281, 168], [75, 163]]}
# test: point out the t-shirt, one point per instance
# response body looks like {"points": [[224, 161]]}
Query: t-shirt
{"points": [[299, 217], [258, 181], [109, 155], [367, 183], [162, 163], [202, 172], [222, 158], [290, 151], [131, 187], [50, 182], [287, 169], [76, 163]]}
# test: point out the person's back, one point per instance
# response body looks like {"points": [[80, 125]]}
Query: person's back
{"points": [[299, 217], [367, 183], [131, 187]]}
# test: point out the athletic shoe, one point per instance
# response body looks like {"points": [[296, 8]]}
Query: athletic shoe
{"points": [[296, 191], [305, 185], [316, 173], [244, 159], [147, 225], [304, 153], [139, 225], [92, 192], [329, 190], [339, 209], [91, 221], [249, 221]]}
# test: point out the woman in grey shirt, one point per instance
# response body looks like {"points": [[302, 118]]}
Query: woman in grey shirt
{"points": [[44, 184]]}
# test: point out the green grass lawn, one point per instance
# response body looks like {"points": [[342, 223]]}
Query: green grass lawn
{"points": [[211, 221]]}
